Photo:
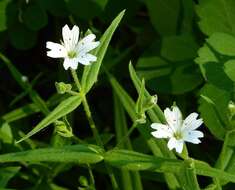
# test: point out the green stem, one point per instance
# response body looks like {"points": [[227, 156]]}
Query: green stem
{"points": [[134, 125], [92, 126], [92, 179], [87, 110]]}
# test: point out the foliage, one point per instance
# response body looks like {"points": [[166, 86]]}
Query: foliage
{"points": [[57, 133]]}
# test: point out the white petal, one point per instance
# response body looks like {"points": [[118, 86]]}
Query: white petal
{"points": [[173, 118], [85, 48], [91, 57], [87, 44], [86, 59], [162, 131], [191, 122], [70, 37], [89, 38], [56, 50], [177, 115], [192, 136], [70, 63], [177, 144]]}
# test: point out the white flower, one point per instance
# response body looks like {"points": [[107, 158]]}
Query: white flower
{"points": [[178, 130], [72, 49]]}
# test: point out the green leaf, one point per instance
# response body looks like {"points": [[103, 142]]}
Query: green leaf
{"points": [[156, 111], [64, 108], [216, 16], [130, 180], [137, 161], [215, 115], [204, 169], [164, 15], [174, 70], [6, 135], [6, 174], [34, 17], [222, 43], [189, 177], [3, 15], [82, 154], [125, 99], [229, 68], [91, 72], [32, 108]]}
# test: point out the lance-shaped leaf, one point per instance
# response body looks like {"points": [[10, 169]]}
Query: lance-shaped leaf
{"points": [[64, 108], [91, 72], [83, 154], [138, 162]]}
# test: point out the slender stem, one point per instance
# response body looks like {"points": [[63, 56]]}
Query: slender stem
{"points": [[76, 80], [134, 125], [93, 127], [73, 93], [87, 110], [92, 123], [92, 179]]}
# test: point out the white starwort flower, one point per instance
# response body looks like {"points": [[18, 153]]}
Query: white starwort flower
{"points": [[178, 130], [72, 49]]}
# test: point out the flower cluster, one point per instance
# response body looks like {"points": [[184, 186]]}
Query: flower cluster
{"points": [[178, 130], [72, 49]]}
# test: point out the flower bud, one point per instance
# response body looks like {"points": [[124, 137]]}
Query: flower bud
{"points": [[62, 88], [63, 130]]}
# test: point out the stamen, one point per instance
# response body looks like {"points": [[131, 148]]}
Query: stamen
{"points": [[72, 54]]}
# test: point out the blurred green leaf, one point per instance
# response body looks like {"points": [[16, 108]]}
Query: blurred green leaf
{"points": [[216, 16], [21, 37], [3, 16], [229, 68], [6, 173], [34, 17], [215, 115], [174, 70], [64, 108], [216, 60], [113, 7], [82, 154], [164, 15], [80, 8], [55, 7]]}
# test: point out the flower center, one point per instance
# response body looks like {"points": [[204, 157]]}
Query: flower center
{"points": [[72, 54], [178, 135]]}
